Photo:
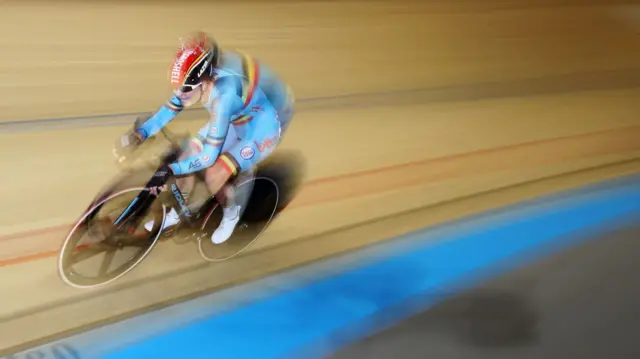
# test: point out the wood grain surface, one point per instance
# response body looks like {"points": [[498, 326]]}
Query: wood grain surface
{"points": [[410, 113], [80, 59]]}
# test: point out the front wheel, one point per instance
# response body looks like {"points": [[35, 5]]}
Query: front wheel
{"points": [[133, 244]]}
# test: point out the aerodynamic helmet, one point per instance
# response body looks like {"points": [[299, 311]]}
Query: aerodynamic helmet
{"points": [[195, 62]]}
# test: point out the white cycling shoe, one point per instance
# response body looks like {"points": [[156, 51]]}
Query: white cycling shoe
{"points": [[171, 219], [230, 218]]}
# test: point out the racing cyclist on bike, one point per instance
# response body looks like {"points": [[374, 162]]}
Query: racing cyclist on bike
{"points": [[249, 106]]}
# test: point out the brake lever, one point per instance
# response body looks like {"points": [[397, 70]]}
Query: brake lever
{"points": [[128, 161], [176, 143], [175, 139]]}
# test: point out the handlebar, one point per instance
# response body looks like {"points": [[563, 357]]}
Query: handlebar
{"points": [[176, 143], [174, 139]]}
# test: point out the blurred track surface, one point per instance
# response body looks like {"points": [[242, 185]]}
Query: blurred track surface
{"points": [[581, 303], [478, 106]]}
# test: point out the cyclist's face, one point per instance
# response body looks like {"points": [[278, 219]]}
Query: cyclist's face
{"points": [[189, 98]]}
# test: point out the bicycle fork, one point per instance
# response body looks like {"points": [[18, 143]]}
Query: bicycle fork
{"points": [[141, 204]]}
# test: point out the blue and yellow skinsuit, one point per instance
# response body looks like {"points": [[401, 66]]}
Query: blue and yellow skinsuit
{"points": [[250, 108]]}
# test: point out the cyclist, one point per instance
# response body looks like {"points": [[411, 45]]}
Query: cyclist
{"points": [[250, 108]]}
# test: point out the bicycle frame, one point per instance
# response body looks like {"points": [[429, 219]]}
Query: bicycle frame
{"points": [[141, 203]]}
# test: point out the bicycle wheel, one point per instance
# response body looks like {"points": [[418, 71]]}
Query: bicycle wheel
{"points": [[261, 208], [133, 245]]}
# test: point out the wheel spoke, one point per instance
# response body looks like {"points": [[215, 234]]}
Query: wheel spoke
{"points": [[89, 252], [108, 259], [142, 243], [98, 235]]}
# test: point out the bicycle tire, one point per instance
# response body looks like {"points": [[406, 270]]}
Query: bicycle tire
{"points": [[264, 224], [64, 249]]}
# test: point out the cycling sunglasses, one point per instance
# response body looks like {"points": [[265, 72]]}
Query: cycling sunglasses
{"points": [[187, 88]]}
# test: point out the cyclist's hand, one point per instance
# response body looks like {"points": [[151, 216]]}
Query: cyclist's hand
{"points": [[125, 145]]}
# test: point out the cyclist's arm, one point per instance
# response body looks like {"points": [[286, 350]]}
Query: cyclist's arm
{"points": [[227, 101], [161, 118]]}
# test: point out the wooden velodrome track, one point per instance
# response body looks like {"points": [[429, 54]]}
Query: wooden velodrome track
{"points": [[409, 113]]}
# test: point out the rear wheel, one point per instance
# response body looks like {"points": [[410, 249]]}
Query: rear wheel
{"points": [[94, 245], [262, 205]]}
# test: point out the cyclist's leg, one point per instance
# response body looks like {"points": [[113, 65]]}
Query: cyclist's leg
{"points": [[236, 165], [196, 145], [184, 183], [187, 182]]}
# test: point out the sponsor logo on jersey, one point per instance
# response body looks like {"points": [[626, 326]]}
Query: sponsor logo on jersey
{"points": [[247, 153], [195, 164], [267, 145]]}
